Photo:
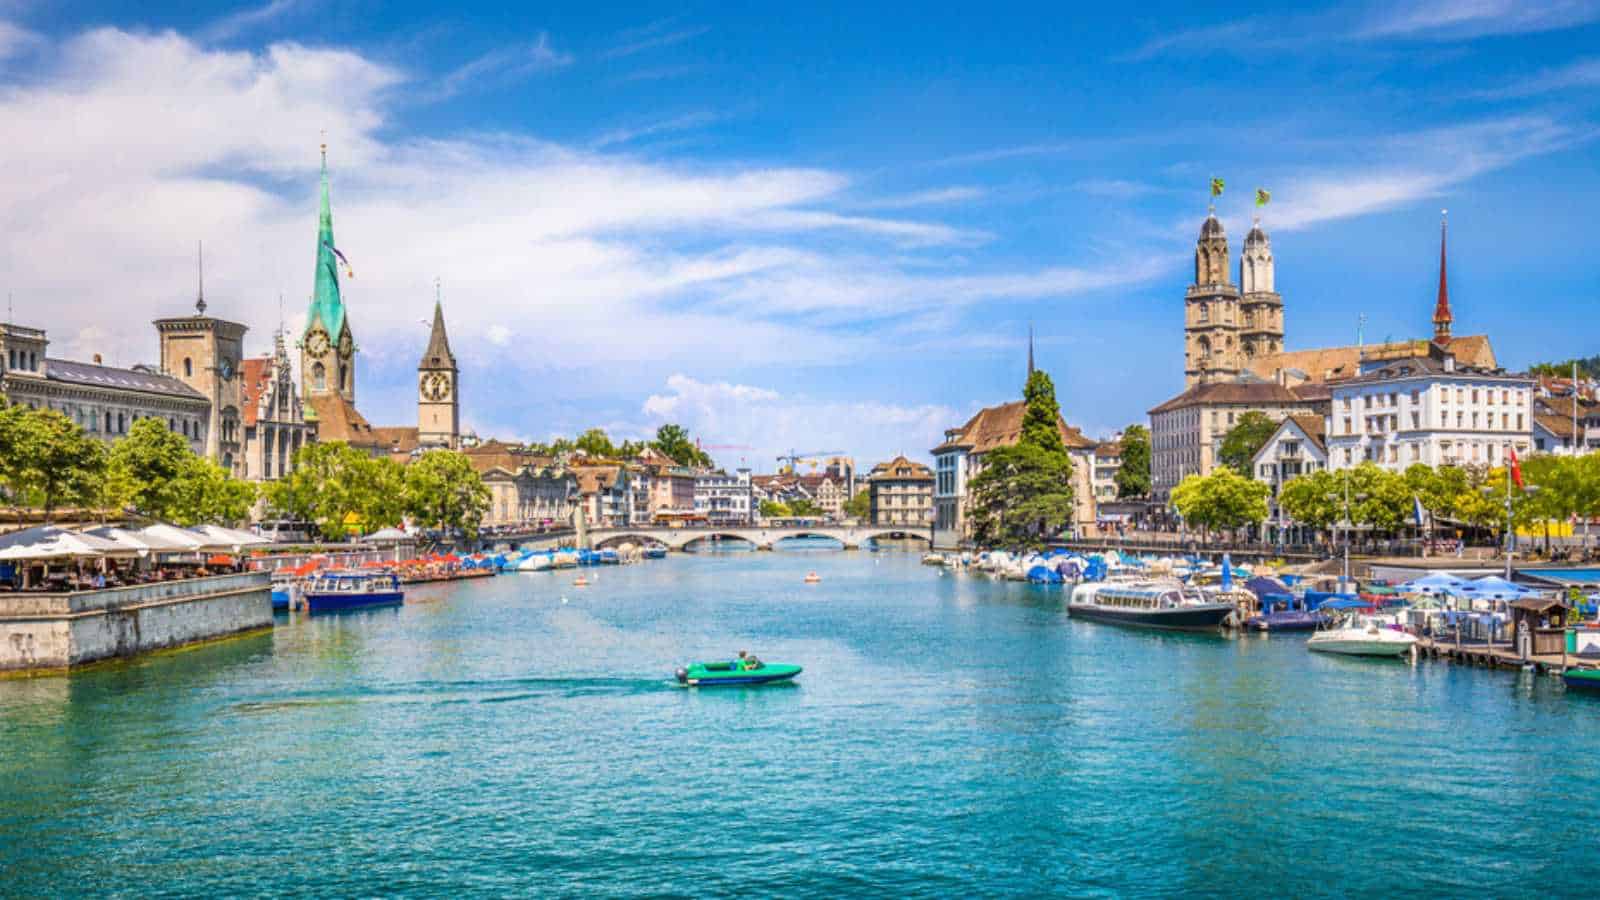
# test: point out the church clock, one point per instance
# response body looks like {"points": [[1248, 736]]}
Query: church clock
{"points": [[317, 344], [346, 346], [436, 386]]}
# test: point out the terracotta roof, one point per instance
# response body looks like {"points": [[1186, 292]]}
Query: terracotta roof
{"points": [[888, 471], [339, 420], [1315, 428], [395, 438], [592, 479], [493, 454], [1336, 363], [1251, 393], [1108, 449], [255, 375], [1558, 425], [1001, 426]]}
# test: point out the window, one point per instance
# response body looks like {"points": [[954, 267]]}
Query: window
{"points": [[319, 377], [1519, 422], [1347, 403], [1348, 456], [1416, 396], [1416, 420], [1368, 401], [1505, 421], [1416, 452], [188, 367], [1347, 427], [1505, 397], [1474, 395]]}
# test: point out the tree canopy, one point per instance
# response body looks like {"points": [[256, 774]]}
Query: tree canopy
{"points": [[1024, 492], [1588, 367], [1133, 476], [442, 490], [673, 440], [340, 489], [1245, 439], [1220, 501], [860, 505]]}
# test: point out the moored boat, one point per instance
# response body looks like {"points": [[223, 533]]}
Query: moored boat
{"points": [[339, 590], [745, 671], [1362, 635], [1147, 604], [1284, 612], [1582, 679]]}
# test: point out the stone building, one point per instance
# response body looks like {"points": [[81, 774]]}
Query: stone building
{"points": [[1186, 432], [901, 493], [524, 489], [104, 400], [438, 390], [1227, 328], [206, 353], [275, 426], [725, 499]]}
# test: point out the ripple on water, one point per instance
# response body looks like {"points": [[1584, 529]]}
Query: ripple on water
{"points": [[950, 736]]}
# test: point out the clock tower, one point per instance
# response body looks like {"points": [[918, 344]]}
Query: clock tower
{"points": [[204, 352], [438, 390], [327, 347]]}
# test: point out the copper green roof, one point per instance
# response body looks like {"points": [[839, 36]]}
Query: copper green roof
{"points": [[327, 306]]}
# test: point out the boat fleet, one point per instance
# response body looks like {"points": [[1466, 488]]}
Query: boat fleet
{"points": [[1191, 593]]}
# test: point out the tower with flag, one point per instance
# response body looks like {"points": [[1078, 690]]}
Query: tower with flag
{"points": [[327, 346]]}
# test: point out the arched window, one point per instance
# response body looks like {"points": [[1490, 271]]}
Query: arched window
{"points": [[1205, 348], [188, 367], [319, 377], [1205, 312], [344, 378]]}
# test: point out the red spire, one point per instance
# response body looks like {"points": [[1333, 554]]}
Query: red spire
{"points": [[1441, 310]]}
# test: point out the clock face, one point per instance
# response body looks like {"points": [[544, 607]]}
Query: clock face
{"points": [[226, 369], [346, 346], [436, 385], [317, 344]]}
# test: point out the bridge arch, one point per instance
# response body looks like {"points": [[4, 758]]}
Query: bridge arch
{"points": [[629, 537], [819, 534], [699, 539]]}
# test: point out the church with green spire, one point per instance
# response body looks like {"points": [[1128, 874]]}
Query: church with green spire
{"points": [[327, 347]]}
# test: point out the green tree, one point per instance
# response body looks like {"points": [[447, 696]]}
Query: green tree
{"points": [[1221, 501], [1587, 368], [154, 459], [334, 484], [596, 443], [1024, 493], [442, 490], [803, 506], [773, 509], [1308, 499], [1133, 477], [1250, 432], [57, 464], [205, 492], [673, 440], [859, 506]]}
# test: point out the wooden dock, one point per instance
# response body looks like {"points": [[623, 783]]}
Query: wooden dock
{"points": [[1499, 656]]}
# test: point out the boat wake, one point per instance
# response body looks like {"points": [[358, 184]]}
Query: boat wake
{"points": [[444, 693]]}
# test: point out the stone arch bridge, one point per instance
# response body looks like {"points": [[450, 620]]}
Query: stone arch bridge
{"points": [[850, 537]]}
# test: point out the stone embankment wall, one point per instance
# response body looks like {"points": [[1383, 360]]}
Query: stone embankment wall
{"points": [[55, 632]]}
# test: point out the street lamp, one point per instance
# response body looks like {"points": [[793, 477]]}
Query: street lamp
{"points": [[1530, 490]]}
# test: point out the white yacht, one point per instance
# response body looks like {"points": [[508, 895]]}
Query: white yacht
{"points": [[1362, 635]]}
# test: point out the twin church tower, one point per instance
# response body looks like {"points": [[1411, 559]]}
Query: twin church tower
{"points": [[328, 363], [1228, 327]]}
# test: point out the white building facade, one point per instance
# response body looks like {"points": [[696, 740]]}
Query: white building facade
{"points": [[725, 499], [1429, 410]]}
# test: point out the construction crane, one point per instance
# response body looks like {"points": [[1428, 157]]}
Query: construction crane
{"points": [[794, 459]]}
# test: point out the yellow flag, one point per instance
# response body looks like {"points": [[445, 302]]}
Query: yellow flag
{"points": [[1216, 187]]}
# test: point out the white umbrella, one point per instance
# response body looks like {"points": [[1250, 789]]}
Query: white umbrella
{"points": [[227, 537], [174, 537]]}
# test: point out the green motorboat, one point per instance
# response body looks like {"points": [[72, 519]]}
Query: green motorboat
{"points": [[748, 670], [1582, 679]]}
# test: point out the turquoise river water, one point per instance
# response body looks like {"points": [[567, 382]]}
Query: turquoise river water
{"points": [[950, 736]]}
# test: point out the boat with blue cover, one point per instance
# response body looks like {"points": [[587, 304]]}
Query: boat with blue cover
{"points": [[337, 590], [747, 670], [1285, 612]]}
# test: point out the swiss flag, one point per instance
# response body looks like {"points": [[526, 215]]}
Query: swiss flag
{"points": [[1516, 468]]}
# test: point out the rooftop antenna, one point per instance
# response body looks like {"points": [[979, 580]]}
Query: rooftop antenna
{"points": [[200, 260]]}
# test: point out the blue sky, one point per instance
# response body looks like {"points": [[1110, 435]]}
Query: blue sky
{"points": [[827, 226]]}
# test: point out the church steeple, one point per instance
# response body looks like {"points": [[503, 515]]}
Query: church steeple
{"points": [[327, 306], [438, 355], [438, 387], [1441, 308], [1030, 351]]}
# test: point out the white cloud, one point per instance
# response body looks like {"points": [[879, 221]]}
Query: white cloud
{"points": [[652, 36], [14, 39], [771, 423], [497, 68], [498, 335], [1583, 73], [237, 23], [934, 197], [1463, 19], [1414, 166]]}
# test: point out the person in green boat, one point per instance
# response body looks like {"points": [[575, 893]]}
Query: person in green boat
{"points": [[747, 662]]}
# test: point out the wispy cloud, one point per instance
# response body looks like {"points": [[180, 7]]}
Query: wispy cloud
{"points": [[630, 134], [1118, 188], [1462, 19], [14, 40], [1424, 164], [1208, 38], [499, 67], [235, 24], [932, 197], [652, 36], [1584, 73]]}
